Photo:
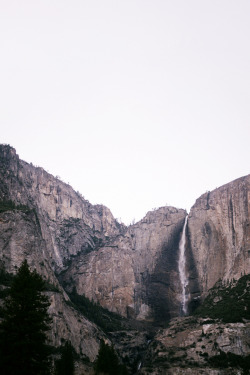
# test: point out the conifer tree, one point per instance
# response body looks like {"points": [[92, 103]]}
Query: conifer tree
{"points": [[107, 361], [65, 365], [23, 348]]}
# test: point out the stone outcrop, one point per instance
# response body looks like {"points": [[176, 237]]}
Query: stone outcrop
{"points": [[190, 346], [219, 235]]}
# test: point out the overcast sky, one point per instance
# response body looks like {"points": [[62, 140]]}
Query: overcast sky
{"points": [[136, 103]]}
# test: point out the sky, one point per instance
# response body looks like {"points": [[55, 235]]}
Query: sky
{"points": [[136, 104]]}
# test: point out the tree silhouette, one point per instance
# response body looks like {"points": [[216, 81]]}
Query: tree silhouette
{"points": [[107, 361], [23, 348], [65, 365]]}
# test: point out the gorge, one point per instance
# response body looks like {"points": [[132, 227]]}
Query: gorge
{"points": [[145, 276]]}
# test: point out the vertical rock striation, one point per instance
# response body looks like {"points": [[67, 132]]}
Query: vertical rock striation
{"points": [[134, 274], [219, 234], [69, 223], [46, 222]]}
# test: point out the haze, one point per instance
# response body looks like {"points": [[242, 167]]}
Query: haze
{"points": [[137, 104]]}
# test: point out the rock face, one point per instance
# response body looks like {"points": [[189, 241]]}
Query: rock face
{"points": [[219, 236], [44, 208], [135, 273], [69, 223], [21, 238], [133, 270], [129, 270], [196, 346]]}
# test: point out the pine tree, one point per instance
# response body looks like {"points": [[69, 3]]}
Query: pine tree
{"points": [[107, 361], [23, 348], [65, 365]]}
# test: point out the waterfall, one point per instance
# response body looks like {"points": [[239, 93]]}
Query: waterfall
{"points": [[182, 269]]}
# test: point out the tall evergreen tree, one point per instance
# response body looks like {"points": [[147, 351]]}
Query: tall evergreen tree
{"points": [[107, 361], [65, 365], [23, 348]]}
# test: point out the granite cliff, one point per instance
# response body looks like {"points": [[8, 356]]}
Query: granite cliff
{"points": [[218, 232], [135, 273], [81, 249]]}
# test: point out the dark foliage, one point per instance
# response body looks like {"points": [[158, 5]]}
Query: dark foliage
{"points": [[105, 319], [8, 205], [225, 360], [5, 277], [5, 283], [23, 348], [65, 365], [49, 287], [107, 361], [230, 303]]}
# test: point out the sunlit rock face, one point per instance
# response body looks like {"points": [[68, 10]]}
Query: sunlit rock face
{"points": [[219, 235]]}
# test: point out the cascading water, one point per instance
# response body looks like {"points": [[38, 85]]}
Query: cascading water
{"points": [[182, 269]]}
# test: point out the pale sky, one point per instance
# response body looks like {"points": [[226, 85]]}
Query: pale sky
{"points": [[137, 104]]}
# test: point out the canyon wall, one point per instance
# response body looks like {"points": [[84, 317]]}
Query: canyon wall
{"points": [[44, 209], [57, 206], [134, 274], [219, 235], [129, 270], [21, 238]]}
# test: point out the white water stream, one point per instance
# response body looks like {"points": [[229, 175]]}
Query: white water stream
{"points": [[182, 269]]}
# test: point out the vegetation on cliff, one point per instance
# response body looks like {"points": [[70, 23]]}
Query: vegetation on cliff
{"points": [[102, 317], [226, 360], [229, 302], [8, 205]]}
